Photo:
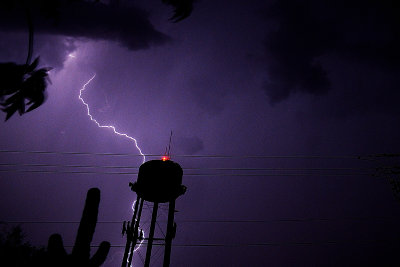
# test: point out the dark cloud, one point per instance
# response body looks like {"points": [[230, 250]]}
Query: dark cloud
{"points": [[52, 49], [207, 93], [359, 89], [127, 25], [189, 145], [301, 32]]}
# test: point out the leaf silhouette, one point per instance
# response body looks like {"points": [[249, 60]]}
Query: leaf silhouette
{"points": [[22, 86], [182, 9]]}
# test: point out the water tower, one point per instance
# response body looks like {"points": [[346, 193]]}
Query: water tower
{"points": [[159, 181]]}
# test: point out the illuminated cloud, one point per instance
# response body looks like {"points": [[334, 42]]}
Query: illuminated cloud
{"points": [[127, 25]]}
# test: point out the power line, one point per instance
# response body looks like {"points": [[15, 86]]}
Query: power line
{"points": [[187, 156], [267, 244], [64, 166], [188, 169], [366, 218], [189, 174]]}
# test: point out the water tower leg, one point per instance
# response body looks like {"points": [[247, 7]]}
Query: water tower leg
{"points": [[135, 232], [170, 233], [128, 235], [151, 235]]}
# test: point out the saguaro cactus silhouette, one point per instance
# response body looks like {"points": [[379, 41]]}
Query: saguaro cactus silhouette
{"points": [[80, 256]]}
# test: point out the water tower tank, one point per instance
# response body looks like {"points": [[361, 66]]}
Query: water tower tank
{"points": [[159, 181]]}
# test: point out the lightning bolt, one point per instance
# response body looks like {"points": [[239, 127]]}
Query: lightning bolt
{"points": [[133, 209], [109, 127], [106, 126]]}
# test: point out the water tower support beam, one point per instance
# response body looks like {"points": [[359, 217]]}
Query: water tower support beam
{"points": [[151, 235], [135, 231], [170, 233], [128, 235]]}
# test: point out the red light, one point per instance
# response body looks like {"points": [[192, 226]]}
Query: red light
{"points": [[165, 158]]}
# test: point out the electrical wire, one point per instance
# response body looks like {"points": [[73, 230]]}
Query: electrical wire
{"points": [[265, 244], [187, 169], [295, 220], [185, 156], [191, 174]]}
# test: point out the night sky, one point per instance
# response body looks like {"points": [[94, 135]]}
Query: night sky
{"points": [[278, 111]]}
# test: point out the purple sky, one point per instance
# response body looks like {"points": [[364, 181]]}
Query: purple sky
{"points": [[271, 78]]}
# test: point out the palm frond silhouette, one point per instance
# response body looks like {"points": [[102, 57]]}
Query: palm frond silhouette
{"points": [[182, 9], [23, 85]]}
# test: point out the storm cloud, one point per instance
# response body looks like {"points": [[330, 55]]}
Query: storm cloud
{"points": [[127, 25], [302, 33], [52, 49], [190, 145]]}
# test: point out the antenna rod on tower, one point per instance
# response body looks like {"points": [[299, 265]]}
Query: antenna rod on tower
{"points": [[169, 145]]}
